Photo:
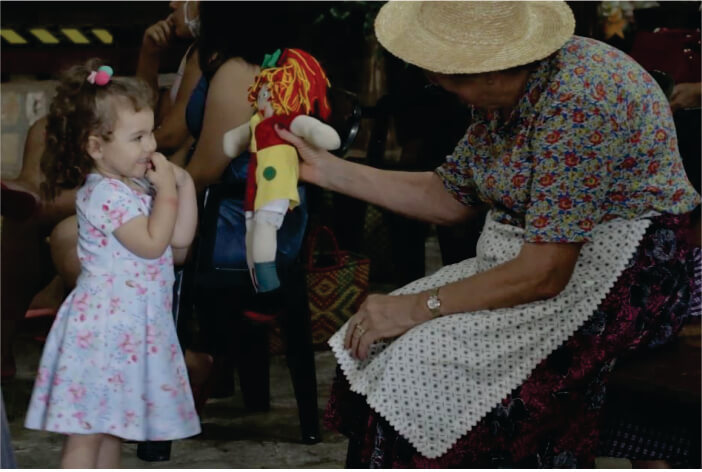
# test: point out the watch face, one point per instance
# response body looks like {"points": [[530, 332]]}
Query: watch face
{"points": [[433, 302]]}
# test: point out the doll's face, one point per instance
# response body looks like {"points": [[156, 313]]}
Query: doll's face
{"points": [[263, 102]]}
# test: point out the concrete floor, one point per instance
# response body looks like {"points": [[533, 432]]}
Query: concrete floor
{"points": [[231, 437]]}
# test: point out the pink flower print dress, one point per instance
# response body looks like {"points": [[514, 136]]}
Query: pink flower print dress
{"points": [[112, 363]]}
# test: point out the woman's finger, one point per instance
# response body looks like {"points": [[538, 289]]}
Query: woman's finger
{"points": [[289, 137], [364, 345], [356, 340], [350, 328]]}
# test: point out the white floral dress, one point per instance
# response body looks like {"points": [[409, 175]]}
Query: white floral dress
{"points": [[112, 363]]}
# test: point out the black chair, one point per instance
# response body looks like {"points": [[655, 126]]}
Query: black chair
{"points": [[214, 285]]}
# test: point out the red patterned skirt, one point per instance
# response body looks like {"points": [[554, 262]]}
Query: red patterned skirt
{"points": [[552, 419]]}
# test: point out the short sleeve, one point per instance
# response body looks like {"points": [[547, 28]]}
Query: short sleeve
{"points": [[457, 176], [110, 205], [572, 145]]}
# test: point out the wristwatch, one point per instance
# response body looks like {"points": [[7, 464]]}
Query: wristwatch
{"points": [[434, 303]]}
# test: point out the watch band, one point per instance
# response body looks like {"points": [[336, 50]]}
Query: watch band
{"points": [[434, 303]]}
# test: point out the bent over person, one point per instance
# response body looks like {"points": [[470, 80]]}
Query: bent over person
{"points": [[501, 360]]}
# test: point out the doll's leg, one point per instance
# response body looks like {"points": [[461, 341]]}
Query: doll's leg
{"points": [[267, 221], [264, 248], [80, 451], [110, 452]]}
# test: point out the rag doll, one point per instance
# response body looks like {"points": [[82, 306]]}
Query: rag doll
{"points": [[290, 88]]}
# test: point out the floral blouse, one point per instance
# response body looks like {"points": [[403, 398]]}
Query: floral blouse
{"points": [[591, 139]]}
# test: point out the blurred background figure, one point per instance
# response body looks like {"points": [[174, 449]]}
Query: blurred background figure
{"points": [[41, 275]]}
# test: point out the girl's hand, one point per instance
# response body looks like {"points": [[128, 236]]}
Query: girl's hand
{"points": [[312, 158], [181, 175], [384, 316], [157, 37], [162, 175]]}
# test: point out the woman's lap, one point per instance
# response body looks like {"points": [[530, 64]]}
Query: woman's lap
{"points": [[552, 418]]}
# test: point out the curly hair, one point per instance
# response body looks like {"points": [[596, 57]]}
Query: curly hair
{"points": [[81, 109], [297, 85]]}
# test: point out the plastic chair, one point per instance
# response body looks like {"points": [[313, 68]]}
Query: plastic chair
{"points": [[205, 276]]}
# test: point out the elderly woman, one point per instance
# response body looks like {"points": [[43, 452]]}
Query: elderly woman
{"points": [[500, 360]]}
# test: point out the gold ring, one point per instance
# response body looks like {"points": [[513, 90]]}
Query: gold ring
{"points": [[361, 329]]}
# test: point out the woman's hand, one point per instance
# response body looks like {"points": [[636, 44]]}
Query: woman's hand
{"points": [[384, 316], [312, 158], [157, 37]]}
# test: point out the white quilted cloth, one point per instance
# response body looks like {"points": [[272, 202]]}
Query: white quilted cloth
{"points": [[435, 382]]}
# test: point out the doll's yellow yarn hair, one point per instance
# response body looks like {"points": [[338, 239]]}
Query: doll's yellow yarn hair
{"points": [[297, 85]]}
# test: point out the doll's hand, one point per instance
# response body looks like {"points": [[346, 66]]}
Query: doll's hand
{"points": [[161, 175], [315, 132], [157, 37], [312, 158]]}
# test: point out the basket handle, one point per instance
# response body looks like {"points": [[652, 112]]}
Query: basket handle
{"points": [[313, 245]]}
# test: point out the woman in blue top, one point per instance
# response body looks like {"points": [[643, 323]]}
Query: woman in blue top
{"points": [[230, 59]]}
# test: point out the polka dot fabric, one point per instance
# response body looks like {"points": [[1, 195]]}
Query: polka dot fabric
{"points": [[434, 383]]}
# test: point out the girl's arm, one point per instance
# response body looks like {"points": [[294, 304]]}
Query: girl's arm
{"points": [[149, 237], [226, 107], [186, 219]]}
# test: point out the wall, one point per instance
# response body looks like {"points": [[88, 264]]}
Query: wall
{"points": [[23, 102]]}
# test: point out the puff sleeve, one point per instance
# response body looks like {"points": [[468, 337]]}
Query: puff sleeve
{"points": [[110, 205]]}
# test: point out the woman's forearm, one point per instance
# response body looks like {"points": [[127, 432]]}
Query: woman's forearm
{"points": [[539, 272], [419, 195], [147, 67]]}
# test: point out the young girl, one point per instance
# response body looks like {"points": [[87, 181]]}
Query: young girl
{"points": [[112, 367]]}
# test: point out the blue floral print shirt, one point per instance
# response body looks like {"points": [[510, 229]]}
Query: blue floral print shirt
{"points": [[591, 139]]}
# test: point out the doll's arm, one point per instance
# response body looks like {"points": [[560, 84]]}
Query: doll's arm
{"points": [[315, 132], [236, 140]]}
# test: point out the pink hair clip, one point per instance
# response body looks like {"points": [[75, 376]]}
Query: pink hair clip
{"points": [[101, 76]]}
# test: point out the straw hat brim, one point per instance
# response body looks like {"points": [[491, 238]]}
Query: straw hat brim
{"points": [[549, 25]]}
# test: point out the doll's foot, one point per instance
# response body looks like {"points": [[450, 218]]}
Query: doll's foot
{"points": [[266, 276], [17, 202]]}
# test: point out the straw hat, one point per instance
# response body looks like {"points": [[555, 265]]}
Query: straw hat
{"points": [[470, 37]]}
